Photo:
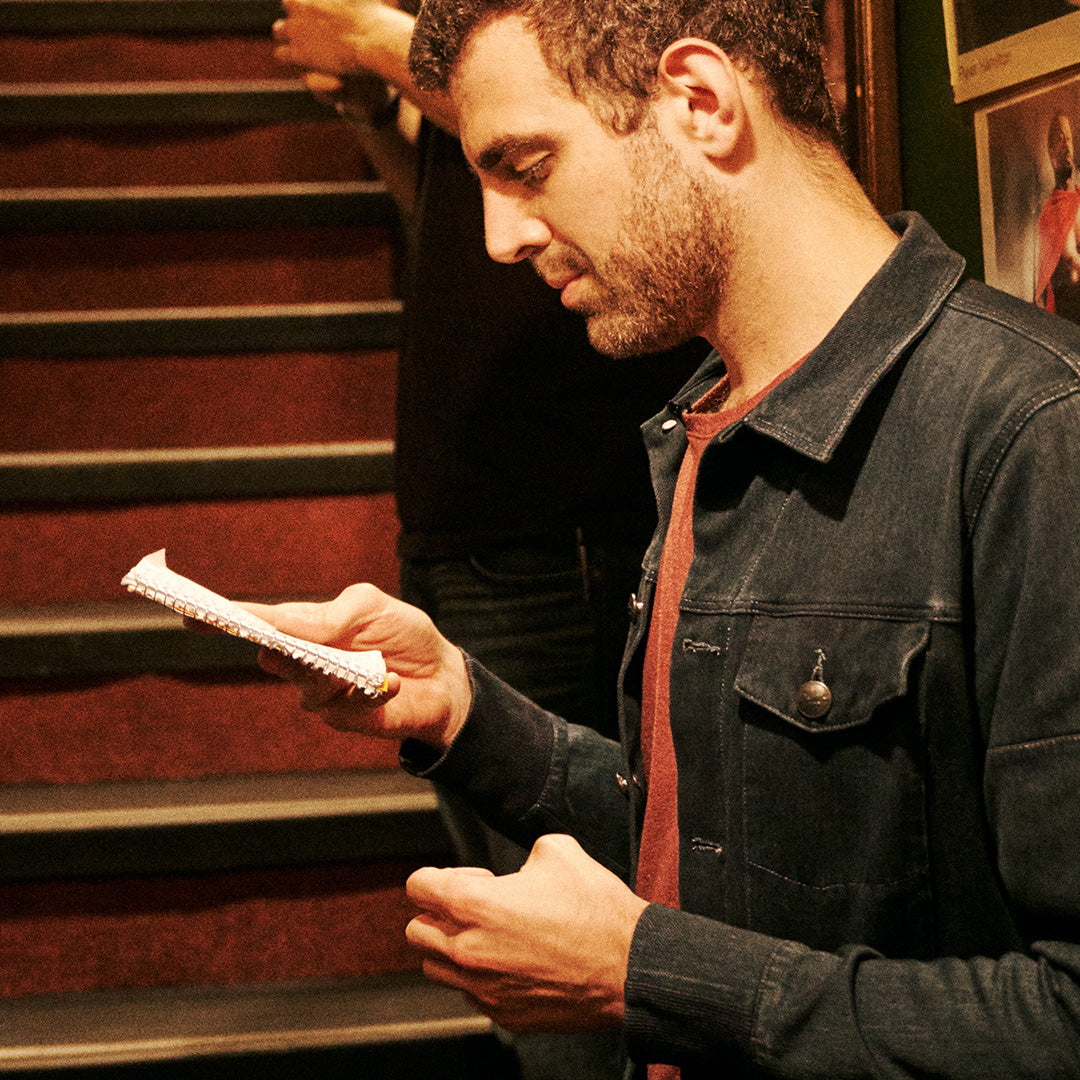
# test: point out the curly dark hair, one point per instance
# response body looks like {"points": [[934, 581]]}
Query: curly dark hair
{"points": [[608, 50]]}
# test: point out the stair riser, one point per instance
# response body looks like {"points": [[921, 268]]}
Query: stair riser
{"points": [[165, 727], [220, 154], [254, 548], [118, 57], [207, 929], [225, 400], [198, 268]]}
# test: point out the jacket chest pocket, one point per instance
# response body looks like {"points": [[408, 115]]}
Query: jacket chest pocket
{"points": [[833, 776]]}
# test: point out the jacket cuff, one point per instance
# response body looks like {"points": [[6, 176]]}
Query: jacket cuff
{"points": [[501, 757], [692, 988]]}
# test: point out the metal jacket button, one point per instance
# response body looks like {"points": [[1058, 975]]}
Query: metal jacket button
{"points": [[635, 607], [814, 699]]}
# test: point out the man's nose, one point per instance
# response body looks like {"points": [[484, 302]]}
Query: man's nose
{"points": [[512, 232]]}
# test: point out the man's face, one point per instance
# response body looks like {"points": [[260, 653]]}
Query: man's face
{"points": [[1059, 143], [618, 223]]}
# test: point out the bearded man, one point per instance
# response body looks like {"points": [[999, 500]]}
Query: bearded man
{"points": [[840, 834]]}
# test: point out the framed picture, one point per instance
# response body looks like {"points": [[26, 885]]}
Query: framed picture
{"points": [[860, 60], [997, 44], [1029, 197]]}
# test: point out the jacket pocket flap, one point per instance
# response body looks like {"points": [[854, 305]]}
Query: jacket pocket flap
{"points": [[862, 663]]}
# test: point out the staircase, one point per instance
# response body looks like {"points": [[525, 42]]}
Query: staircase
{"points": [[197, 346]]}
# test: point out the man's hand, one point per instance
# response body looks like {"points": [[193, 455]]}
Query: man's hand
{"points": [[334, 37], [428, 692], [545, 949], [344, 48]]}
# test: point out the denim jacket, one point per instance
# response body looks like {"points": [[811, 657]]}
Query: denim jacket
{"points": [[883, 880]]}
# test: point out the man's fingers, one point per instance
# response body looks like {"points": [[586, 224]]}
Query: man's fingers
{"points": [[438, 971], [284, 667], [323, 85], [328, 623], [316, 690], [320, 693], [337, 699], [302, 620], [440, 889], [430, 934]]}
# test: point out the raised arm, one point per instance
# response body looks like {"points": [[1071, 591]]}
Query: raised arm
{"points": [[343, 38]]}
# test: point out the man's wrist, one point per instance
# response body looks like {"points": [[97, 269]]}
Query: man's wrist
{"points": [[366, 101], [374, 119], [380, 44]]}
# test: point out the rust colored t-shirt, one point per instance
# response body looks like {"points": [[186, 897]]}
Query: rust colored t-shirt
{"points": [[658, 859]]}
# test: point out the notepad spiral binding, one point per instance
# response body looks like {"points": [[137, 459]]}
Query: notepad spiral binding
{"points": [[150, 577]]}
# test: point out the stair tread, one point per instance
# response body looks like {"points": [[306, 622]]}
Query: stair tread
{"points": [[108, 829], [140, 476], [270, 311], [37, 808], [114, 1026], [195, 206], [190, 455], [252, 204], [163, 88]]}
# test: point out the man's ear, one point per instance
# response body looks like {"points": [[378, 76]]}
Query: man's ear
{"points": [[699, 81]]}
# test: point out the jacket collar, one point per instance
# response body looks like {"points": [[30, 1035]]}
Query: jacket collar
{"points": [[811, 410]]}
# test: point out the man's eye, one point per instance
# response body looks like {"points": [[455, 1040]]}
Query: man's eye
{"points": [[533, 174]]}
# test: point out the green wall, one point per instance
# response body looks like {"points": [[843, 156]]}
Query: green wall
{"points": [[937, 141]]}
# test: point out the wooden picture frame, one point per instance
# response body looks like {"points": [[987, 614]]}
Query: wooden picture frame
{"points": [[860, 57], [1016, 183], [994, 45]]}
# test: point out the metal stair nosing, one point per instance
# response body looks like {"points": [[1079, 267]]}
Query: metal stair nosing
{"points": [[164, 103]]}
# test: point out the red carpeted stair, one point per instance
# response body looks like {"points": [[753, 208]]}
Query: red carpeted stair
{"points": [[197, 326]]}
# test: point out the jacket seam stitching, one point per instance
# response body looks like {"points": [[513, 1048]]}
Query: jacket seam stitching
{"points": [[1008, 435], [960, 302], [1034, 744]]}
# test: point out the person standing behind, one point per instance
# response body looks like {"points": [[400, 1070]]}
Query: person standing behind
{"points": [[521, 482]]}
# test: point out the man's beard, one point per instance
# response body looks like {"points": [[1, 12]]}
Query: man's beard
{"points": [[663, 280]]}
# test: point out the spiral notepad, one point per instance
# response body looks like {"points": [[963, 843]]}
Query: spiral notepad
{"points": [[150, 577]]}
